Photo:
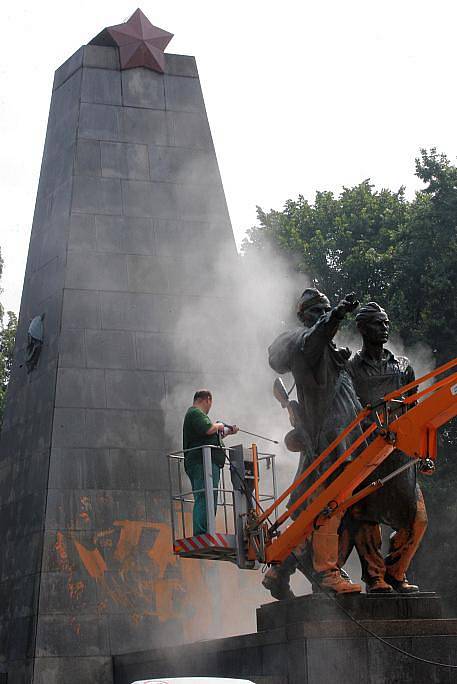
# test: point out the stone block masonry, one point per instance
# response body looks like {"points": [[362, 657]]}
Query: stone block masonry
{"points": [[130, 220]]}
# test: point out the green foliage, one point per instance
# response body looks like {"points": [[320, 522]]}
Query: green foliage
{"points": [[402, 254], [381, 246], [8, 325]]}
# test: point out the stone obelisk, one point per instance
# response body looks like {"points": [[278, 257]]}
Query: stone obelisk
{"points": [[130, 219]]}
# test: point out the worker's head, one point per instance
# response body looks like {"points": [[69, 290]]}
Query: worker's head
{"points": [[311, 305], [373, 323], [203, 400]]}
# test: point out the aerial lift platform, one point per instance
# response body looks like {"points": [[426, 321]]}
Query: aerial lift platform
{"points": [[407, 419]]}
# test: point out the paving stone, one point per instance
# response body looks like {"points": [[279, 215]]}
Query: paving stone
{"points": [[125, 160], [143, 88]]}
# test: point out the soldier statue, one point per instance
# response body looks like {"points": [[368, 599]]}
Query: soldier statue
{"points": [[327, 403], [375, 372]]}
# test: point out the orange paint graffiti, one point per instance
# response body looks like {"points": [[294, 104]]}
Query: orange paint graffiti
{"points": [[93, 560], [132, 572]]}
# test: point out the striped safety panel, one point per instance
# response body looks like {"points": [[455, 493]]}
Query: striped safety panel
{"points": [[203, 541]]}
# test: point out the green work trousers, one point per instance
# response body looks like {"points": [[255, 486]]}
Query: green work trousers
{"points": [[195, 474]]}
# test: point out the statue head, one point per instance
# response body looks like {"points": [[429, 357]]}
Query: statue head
{"points": [[311, 305], [373, 323]]}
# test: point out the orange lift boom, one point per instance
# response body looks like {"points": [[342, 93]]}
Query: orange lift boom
{"points": [[407, 423]]}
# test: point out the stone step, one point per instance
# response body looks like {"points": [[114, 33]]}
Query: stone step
{"points": [[318, 607]]}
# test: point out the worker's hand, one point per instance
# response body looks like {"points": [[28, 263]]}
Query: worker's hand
{"points": [[219, 427], [426, 466], [347, 305], [235, 429]]}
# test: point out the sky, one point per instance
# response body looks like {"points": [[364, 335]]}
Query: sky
{"points": [[301, 96]]}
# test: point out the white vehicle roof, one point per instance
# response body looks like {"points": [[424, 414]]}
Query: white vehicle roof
{"points": [[193, 680]]}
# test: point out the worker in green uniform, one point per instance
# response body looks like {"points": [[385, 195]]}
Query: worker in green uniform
{"points": [[199, 430]]}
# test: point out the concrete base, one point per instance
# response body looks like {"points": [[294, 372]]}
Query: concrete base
{"points": [[311, 640]]}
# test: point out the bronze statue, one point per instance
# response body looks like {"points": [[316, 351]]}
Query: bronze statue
{"points": [[375, 371], [327, 403], [35, 337]]}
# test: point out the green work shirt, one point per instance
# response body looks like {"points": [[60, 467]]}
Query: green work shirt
{"points": [[194, 429]]}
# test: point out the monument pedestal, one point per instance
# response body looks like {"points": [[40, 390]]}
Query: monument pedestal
{"points": [[311, 640]]}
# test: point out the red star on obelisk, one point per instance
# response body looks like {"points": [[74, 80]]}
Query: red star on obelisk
{"points": [[140, 43]]}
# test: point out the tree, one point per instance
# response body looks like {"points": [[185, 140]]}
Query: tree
{"points": [[7, 338], [381, 246]]}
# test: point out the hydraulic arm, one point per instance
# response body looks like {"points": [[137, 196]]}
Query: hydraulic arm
{"points": [[407, 419]]}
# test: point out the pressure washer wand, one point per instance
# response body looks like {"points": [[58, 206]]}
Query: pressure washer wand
{"points": [[253, 434], [267, 439]]}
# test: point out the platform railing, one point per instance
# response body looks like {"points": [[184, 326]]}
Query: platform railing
{"points": [[236, 495]]}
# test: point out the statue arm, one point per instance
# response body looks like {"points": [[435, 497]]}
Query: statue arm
{"points": [[325, 329], [315, 339]]}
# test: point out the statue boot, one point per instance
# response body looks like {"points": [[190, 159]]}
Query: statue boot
{"points": [[402, 586], [378, 586], [277, 579], [325, 560]]}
